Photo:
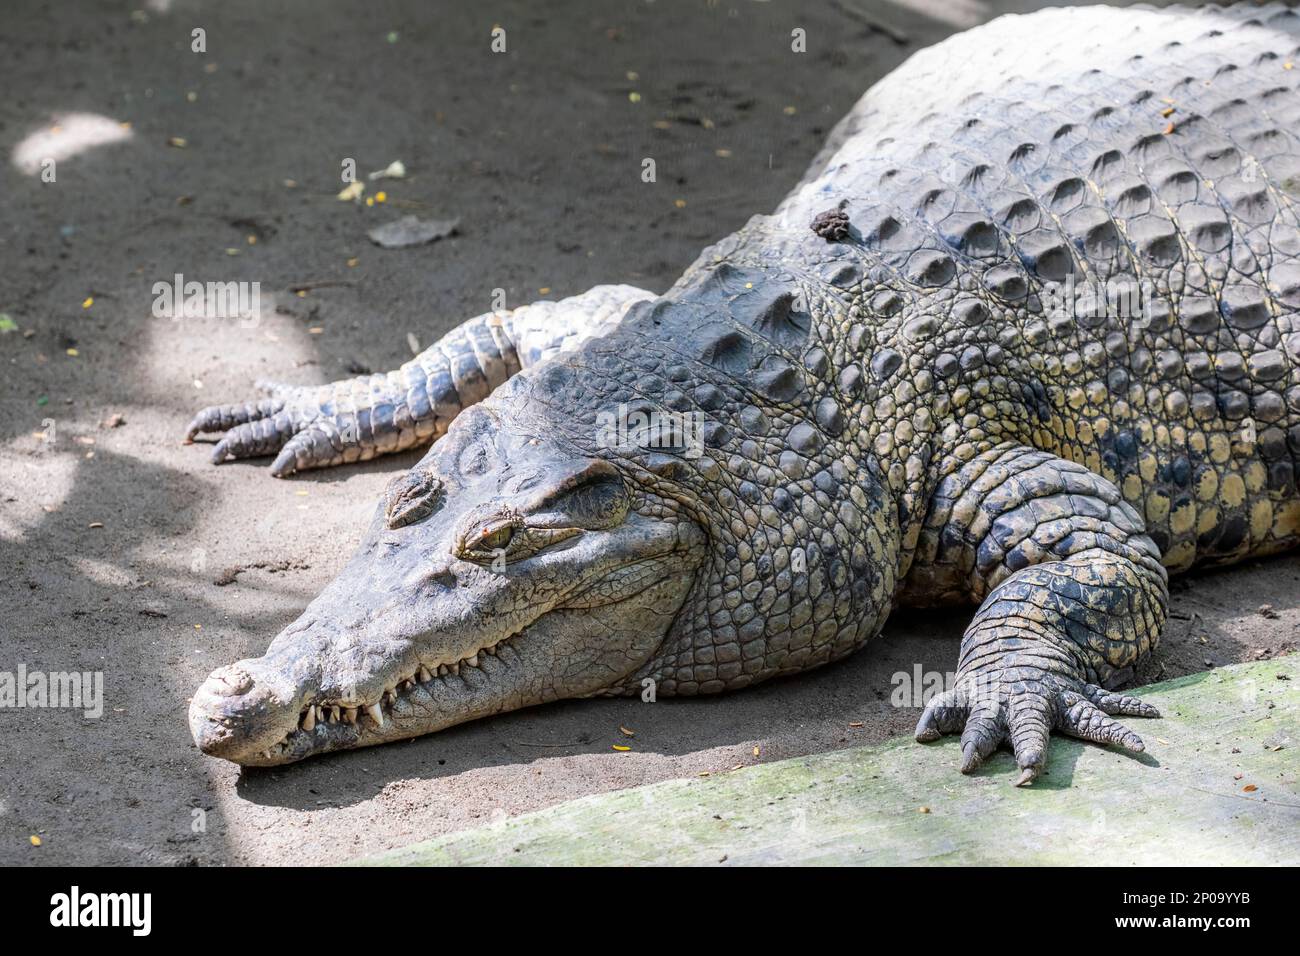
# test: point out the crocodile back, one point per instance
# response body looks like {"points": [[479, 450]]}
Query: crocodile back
{"points": [[1079, 230]]}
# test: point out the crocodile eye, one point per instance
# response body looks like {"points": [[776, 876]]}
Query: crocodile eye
{"points": [[495, 539], [509, 539]]}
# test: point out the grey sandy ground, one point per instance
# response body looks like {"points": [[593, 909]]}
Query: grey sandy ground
{"points": [[539, 152]]}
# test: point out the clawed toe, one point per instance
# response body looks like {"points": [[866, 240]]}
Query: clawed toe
{"points": [[944, 714], [1079, 718], [264, 436], [222, 418]]}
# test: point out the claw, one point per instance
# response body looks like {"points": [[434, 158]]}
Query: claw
{"points": [[1029, 721], [985, 729], [944, 714], [1087, 722], [1118, 705]]}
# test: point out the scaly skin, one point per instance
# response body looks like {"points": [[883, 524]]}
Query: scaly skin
{"points": [[894, 411]]}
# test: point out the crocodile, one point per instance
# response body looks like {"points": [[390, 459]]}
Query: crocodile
{"points": [[1022, 339]]}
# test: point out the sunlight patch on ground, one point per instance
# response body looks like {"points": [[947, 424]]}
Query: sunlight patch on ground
{"points": [[107, 574], [67, 135], [30, 483]]}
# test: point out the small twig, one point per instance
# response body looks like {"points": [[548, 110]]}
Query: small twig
{"points": [[898, 36], [321, 284], [525, 743]]}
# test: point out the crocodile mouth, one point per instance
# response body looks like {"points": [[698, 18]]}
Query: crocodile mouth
{"points": [[329, 723]]}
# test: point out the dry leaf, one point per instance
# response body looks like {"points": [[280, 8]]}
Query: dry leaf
{"points": [[411, 231], [352, 191]]}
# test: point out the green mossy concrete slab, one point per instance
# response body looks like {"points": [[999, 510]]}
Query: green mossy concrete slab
{"points": [[1217, 785]]}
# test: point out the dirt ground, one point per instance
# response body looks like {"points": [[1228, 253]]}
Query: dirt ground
{"points": [[113, 539]]}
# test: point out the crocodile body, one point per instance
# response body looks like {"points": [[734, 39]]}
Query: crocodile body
{"points": [[904, 388]]}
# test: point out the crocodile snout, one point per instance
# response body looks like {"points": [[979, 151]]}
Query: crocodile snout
{"points": [[242, 709]]}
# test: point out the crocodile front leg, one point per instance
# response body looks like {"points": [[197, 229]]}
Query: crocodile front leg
{"points": [[1072, 592], [357, 419]]}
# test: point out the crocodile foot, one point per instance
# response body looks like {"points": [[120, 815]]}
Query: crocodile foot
{"points": [[288, 423], [1021, 705]]}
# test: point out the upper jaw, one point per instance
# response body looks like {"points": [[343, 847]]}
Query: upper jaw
{"points": [[416, 700]]}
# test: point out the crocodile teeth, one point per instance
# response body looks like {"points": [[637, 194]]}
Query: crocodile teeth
{"points": [[309, 722], [443, 670], [335, 714], [424, 674], [350, 715], [376, 714], [454, 668], [472, 661]]}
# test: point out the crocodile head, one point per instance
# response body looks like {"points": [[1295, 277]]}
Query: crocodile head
{"points": [[676, 501], [513, 566]]}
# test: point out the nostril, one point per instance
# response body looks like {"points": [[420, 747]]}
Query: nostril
{"points": [[230, 682]]}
